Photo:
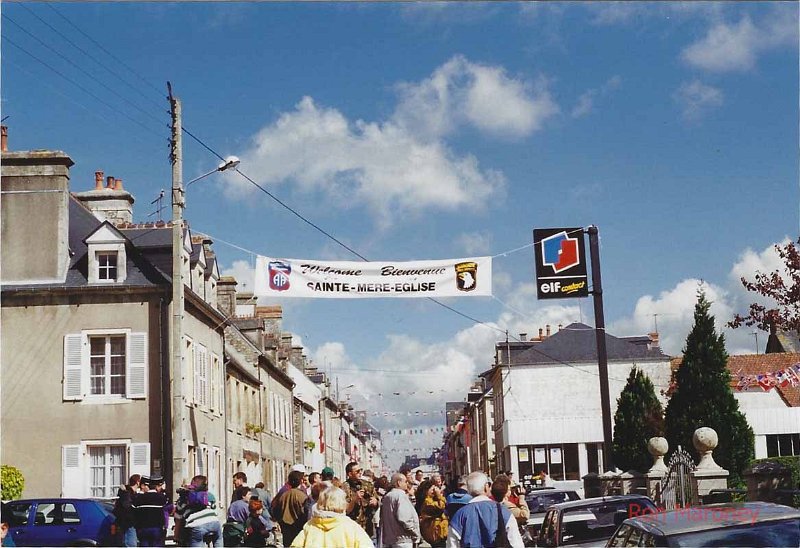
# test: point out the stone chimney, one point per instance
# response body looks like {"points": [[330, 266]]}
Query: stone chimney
{"points": [[110, 203], [523, 337], [654, 342], [4, 138], [35, 214], [541, 334], [547, 332], [226, 295]]}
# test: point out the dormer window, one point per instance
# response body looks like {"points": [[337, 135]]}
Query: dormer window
{"points": [[107, 266], [107, 258]]}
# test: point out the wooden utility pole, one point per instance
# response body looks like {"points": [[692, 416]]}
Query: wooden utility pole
{"points": [[178, 409]]}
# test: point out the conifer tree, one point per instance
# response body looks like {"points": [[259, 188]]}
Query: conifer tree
{"points": [[639, 417], [703, 397]]}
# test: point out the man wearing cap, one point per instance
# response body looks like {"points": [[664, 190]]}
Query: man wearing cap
{"points": [[148, 512], [327, 473]]}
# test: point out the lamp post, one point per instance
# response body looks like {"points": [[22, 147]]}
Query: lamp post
{"points": [[178, 418]]}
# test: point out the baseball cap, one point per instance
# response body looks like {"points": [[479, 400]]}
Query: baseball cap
{"points": [[327, 472], [299, 468]]}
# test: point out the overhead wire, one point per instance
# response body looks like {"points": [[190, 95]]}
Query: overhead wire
{"points": [[102, 48], [82, 70], [81, 87], [87, 54]]}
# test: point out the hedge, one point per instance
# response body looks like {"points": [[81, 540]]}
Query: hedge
{"points": [[12, 482]]}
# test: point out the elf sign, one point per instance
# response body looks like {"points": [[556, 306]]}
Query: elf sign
{"points": [[560, 263]]}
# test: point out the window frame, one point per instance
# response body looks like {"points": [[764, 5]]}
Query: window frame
{"points": [[110, 486], [108, 356], [86, 336]]}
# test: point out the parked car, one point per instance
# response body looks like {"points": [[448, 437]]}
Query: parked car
{"points": [[725, 524], [540, 500], [61, 522], [590, 522]]}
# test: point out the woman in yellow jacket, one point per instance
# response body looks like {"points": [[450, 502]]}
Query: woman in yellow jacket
{"points": [[329, 527], [432, 519]]}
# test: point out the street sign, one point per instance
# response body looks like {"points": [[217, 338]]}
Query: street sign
{"points": [[560, 263]]}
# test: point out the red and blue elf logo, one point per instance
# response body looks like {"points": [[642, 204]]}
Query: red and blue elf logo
{"points": [[279, 275]]}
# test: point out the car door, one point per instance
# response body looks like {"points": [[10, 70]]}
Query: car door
{"points": [[20, 523], [56, 523]]}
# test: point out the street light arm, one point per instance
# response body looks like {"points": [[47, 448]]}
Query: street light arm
{"points": [[231, 162]]}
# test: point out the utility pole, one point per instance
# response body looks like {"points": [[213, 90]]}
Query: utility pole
{"points": [[178, 409], [602, 354]]}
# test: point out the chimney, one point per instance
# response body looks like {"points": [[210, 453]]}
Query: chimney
{"points": [[34, 241], [548, 330], [560, 326], [653, 340], [4, 138], [523, 337], [541, 331], [226, 295], [113, 204]]}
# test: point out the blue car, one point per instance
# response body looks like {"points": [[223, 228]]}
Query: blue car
{"points": [[61, 522]]}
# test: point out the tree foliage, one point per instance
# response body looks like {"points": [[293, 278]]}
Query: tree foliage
{"points": [[783, 288], [639, 417], [12, 482], [703, 397]]}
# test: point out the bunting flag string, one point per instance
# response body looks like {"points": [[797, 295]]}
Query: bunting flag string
{"points": [[413, 431], [406, 413], [789, 376]]}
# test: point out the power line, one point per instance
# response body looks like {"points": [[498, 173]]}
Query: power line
{"points": [[99, 45], [86, 53], [79, 86], [71, 62]]}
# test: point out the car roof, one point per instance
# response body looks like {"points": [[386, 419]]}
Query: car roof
{"points": [[711, 516], [586, 503], [53, 499], [549, 491]]}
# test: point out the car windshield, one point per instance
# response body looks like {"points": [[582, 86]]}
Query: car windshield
{"points": [[595, 522], [541, 501], [772, 533]]}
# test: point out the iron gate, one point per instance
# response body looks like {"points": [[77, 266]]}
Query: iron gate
{"points": [[677, 486]]}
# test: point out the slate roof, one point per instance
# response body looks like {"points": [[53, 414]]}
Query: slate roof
{"points": [[577, 343], [756, 364], [140, 272]]}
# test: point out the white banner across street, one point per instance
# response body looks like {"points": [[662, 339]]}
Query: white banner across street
{"points": [[351, 280]]}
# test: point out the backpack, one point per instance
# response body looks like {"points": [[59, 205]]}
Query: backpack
{"points": [[233, 533], [196, 498]]}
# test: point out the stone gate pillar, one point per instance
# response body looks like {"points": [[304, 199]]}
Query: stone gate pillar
{"points": [[708, 475]]}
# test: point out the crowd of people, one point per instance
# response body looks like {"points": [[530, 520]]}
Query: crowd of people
{"points": [[319, 510]]}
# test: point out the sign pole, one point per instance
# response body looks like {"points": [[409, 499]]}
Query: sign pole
{"points": [[602, 354]]}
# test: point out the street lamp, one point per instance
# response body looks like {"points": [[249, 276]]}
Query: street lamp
{"points": [[231, 162], [178, 423]]}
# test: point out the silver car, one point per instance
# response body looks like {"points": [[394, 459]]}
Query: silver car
{"points": [[727, 524]]}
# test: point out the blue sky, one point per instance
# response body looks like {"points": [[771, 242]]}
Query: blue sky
{"points": [[425, 131]]}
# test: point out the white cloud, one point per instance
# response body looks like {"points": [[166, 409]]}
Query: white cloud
{"points": [[244, 274], [380, 166], [697, 98], [475, 243], [585, 103], [462, 92], [735, 47], [403, 165]]}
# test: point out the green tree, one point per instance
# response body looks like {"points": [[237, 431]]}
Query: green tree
{"points": [[639, 417], [12, 482], [703, 397]]}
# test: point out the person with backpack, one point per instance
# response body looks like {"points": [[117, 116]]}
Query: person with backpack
{"points": [[257, 528], [195, 518], [483, 521], [123, 511]]}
